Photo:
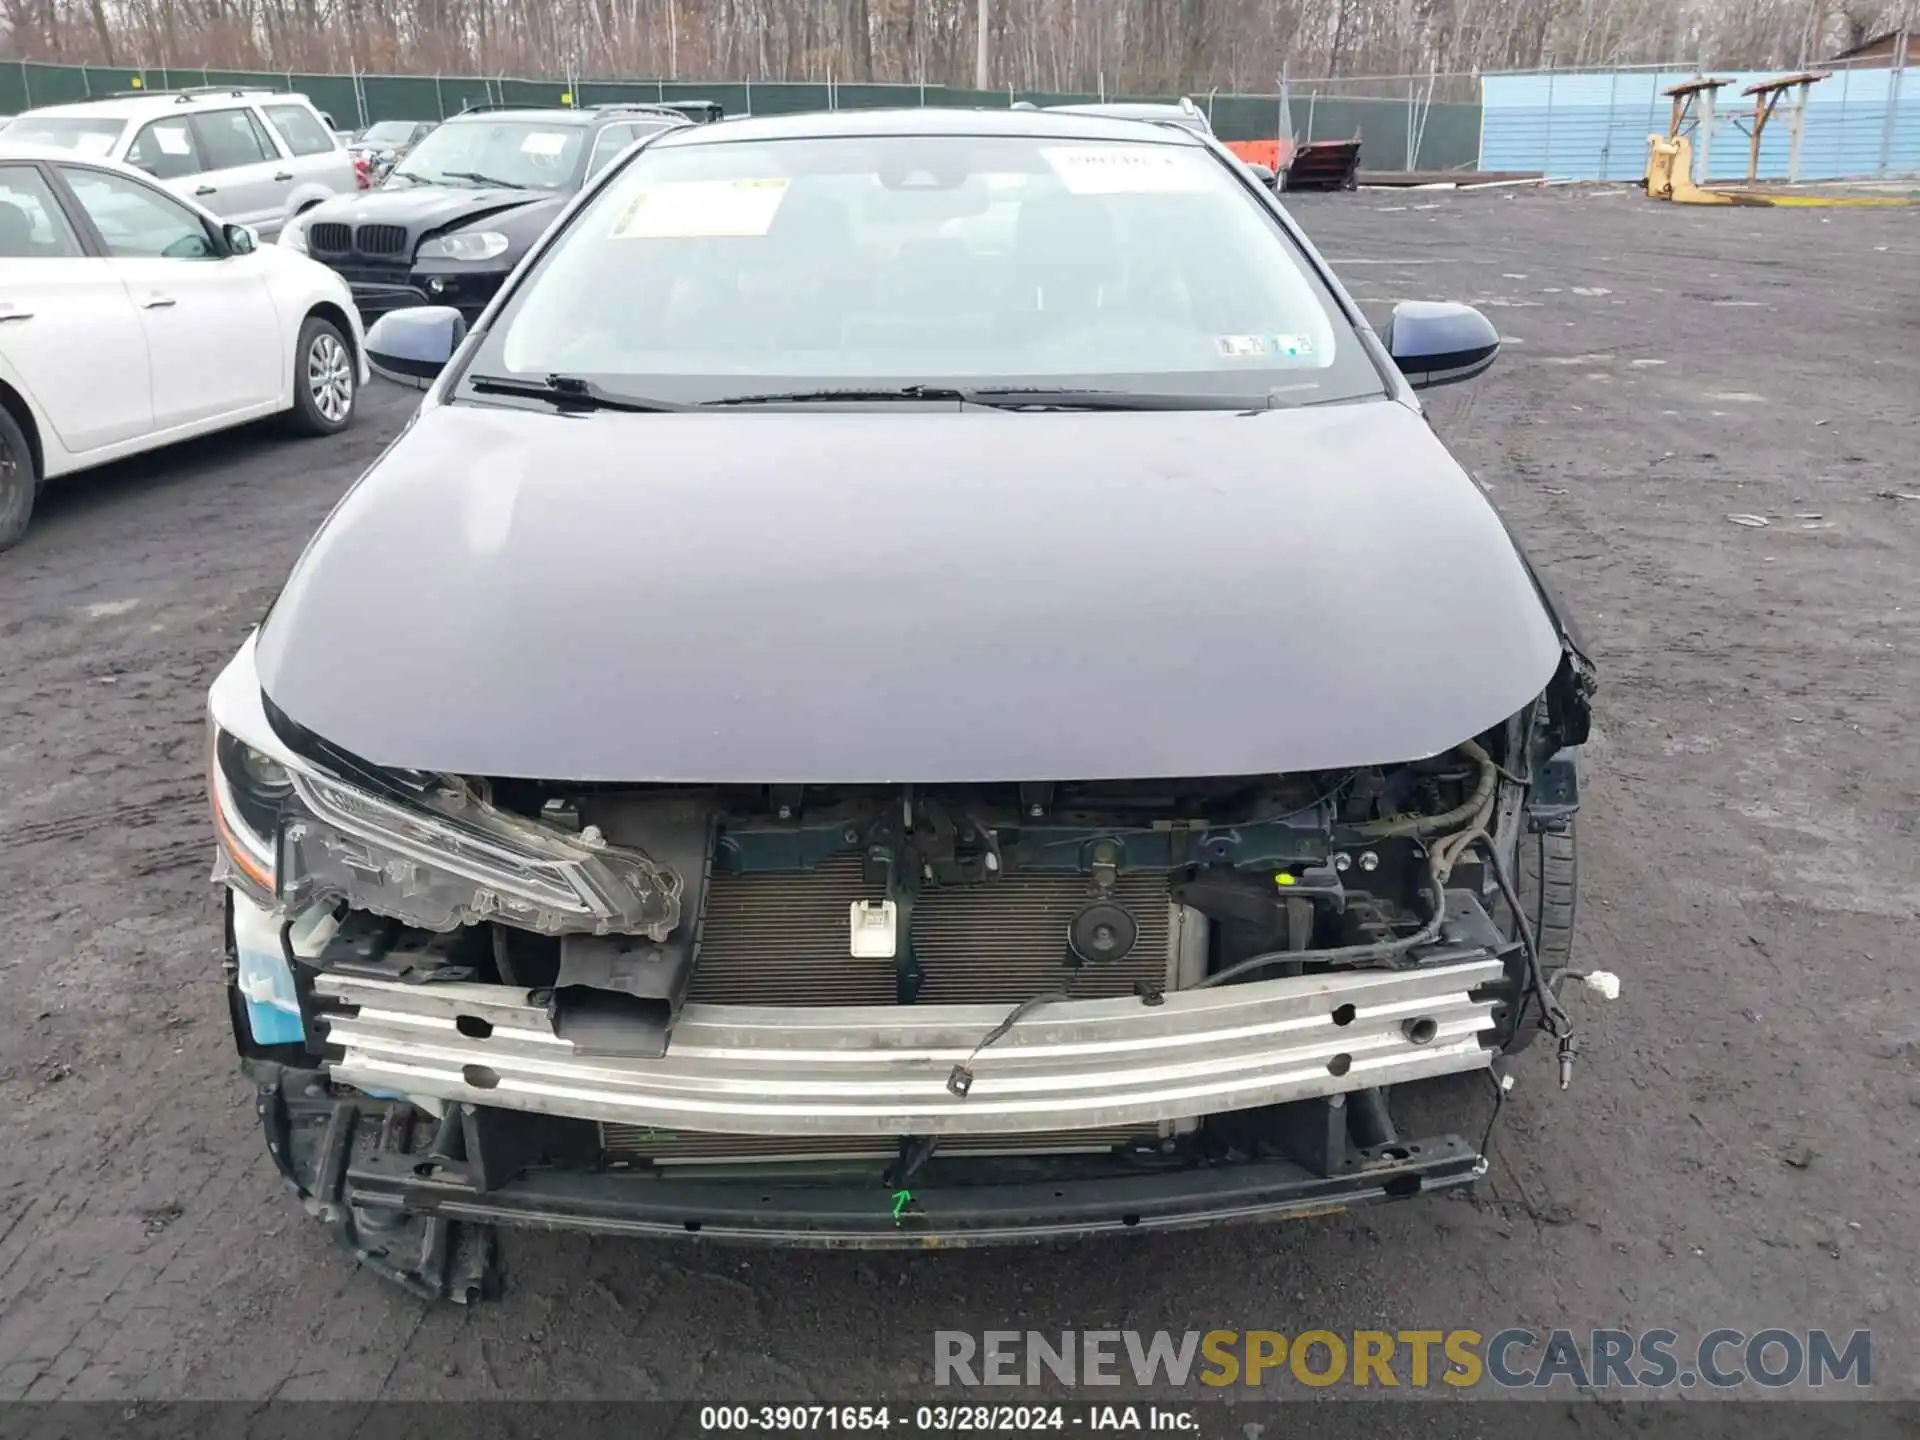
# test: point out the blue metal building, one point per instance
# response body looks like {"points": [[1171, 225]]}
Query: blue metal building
{"points": [[1860, 123]]}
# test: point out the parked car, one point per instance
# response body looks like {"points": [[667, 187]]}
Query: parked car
{"points": [[383, 144], [824, 730], [254, 157], [454, 216], [701, 112], [1185, 114], [131, 318]]}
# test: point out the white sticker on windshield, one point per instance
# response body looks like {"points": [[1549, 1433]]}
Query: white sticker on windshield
{"points": [[1124, 170], [544, 142], [1264, 347], [174, 142], [91, 142], [701, 209]]}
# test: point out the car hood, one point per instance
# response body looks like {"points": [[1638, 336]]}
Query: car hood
{"points": [[900, 595], [421, 208]]}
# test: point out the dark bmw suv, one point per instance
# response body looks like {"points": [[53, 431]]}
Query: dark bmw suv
{"points": [[457, 212]]}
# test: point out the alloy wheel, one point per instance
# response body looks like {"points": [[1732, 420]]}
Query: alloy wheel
{"points": [[330, 377]]}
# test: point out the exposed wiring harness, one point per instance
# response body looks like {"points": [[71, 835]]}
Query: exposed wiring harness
{"points": [[1553, 1017], [1443, 854], [960, 1078], [1480, 799]]}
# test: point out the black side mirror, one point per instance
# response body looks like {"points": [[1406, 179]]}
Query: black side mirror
{"points": [[1440, 343], [240, 239], [412, 346], [1262, 173]]}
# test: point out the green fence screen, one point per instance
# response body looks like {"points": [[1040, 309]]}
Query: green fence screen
{"points": [[1444, 137]]}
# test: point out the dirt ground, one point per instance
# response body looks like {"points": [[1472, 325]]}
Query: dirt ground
{"points": [[1739, 1148]]}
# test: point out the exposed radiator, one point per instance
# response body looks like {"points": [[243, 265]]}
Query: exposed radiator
{"points": [[782, 939]]}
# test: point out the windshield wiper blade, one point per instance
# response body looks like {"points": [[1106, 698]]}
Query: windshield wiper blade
{"points": [[802, 397], [1045, 398], [569, 392], [1012, 398], [479, 179]]}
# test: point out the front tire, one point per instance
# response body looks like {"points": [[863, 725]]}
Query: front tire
{"points": [[18, 480], [325, 386]]}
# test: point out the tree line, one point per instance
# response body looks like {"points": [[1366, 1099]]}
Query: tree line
{"points": [[1119, 46]]}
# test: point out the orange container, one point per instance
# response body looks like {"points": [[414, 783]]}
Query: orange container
{"points": [[1274, 154]]}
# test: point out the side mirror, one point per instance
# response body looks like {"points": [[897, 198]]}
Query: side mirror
{"points": [[412, 346], [1437, 343], [241, 239], [1263, 174]]}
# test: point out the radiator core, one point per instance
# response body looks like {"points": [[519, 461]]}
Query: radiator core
{"points": [[782, 939]]}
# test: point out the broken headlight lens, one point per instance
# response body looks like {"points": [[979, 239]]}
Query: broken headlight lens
{"points": [[462, 860], [249, 791], [292, 836]]}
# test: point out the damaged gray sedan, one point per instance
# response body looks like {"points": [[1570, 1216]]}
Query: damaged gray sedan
{"points": [[919, 678]]}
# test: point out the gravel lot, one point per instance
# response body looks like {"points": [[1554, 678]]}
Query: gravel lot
{"points": [[1739, 1147]]}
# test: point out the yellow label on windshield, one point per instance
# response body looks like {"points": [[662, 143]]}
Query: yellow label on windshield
{"points": [[700, 209]]}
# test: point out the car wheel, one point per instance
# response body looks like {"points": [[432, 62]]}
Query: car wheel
{"points": [[17, 481], [1548, 885], [324, 384]]}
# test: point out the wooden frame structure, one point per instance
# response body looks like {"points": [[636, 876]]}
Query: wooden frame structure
{"points": [[1767, 96], [1693, 107]]}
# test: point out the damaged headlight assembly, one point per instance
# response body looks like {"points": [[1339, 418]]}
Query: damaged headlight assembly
{"points": [[292, 836]]}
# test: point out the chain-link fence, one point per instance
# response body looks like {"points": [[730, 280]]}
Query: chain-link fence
{"points": [[1863, 120], [1395, 134]]}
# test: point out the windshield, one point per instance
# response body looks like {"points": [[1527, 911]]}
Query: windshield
{"points": [[521, 154], [711, 271], [388, 132], [85, 135]]}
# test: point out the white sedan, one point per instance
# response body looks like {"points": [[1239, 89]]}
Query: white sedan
{"points": [[130, 319]]}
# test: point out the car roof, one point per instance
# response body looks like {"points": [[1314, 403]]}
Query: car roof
{"points": [[563, 115], [130, 106], [12, 151], [928, 121], [20, 150], [538, 114], [1154, 110]]}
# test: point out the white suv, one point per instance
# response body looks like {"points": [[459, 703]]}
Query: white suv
{"points": [[252, 157]]}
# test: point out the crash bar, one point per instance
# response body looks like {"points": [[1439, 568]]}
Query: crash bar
{"points": [[882, 1070]]}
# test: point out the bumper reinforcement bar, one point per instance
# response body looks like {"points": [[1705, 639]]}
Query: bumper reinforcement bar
{"points": [[882, 1070], [852, 1215]]}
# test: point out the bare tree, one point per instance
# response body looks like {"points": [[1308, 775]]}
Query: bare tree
{"points": [[1121, 46]]}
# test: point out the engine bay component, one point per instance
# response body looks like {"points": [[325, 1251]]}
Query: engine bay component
{"points": [[1102, 932]]}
